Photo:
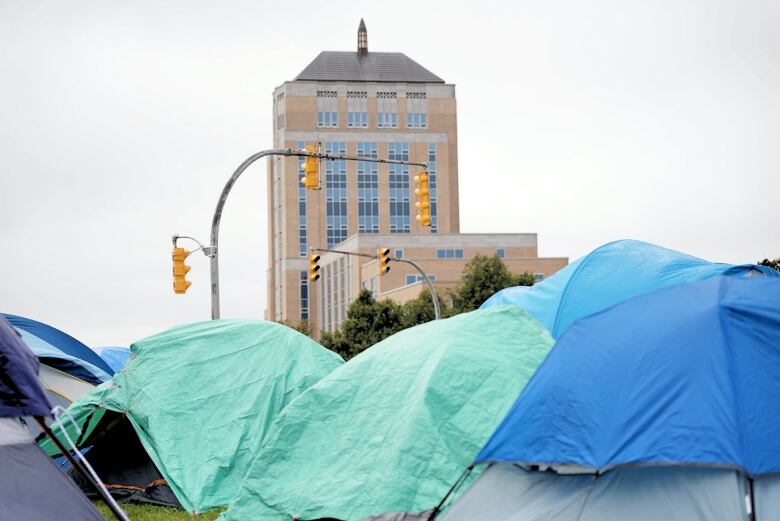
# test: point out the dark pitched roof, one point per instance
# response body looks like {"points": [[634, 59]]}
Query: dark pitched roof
{"points": [[374, 66]]}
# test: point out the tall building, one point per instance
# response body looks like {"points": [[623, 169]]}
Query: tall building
{"points": [[374, 105]]}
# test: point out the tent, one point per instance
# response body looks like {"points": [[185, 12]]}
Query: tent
{"points": [[115, 357], [661, 407], [68, 369], [610, 274], [31, 486], [61, 351], [391, 429], [181, 423]]}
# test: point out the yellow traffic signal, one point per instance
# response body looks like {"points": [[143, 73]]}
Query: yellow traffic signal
{"points": [[423, 203], [311, 170], [383, 260], [180, 270], [314, 267]]}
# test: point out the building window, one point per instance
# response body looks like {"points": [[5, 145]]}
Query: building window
{"points": [[538, 277], [280, 121], [416, 110], [386, 110], [432, 187], [399, 254], [303, 247], [411, 279], [368, 189], [335, 194], [357, 109], [327, 109], [304, 295], [501, 252], [449, 253], [400, 221]]}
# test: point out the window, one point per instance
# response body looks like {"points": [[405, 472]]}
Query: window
{"points": [[327, 109], [335, 194], [399, 254], [303, 247], [400, 221], [416, 110], [411, 279], [304, 295], [357, 109], [538, 277], [501, 253], [432, 187], [449, 253], [368, 189], [279, 111], [386, 110]]}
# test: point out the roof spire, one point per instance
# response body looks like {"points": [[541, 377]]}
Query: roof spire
{"points": [[362, 39]]}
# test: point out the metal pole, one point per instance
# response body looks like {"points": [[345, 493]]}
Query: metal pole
{"points": [[434, 296], [77, 465], [212, 251]]}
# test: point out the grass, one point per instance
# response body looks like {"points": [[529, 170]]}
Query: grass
{"points": [[153, 513]]}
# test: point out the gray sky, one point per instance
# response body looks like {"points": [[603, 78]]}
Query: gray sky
{"points": [[583, 121]]}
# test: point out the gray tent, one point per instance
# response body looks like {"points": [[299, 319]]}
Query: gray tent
{"points": [[31, 486], [508, 492]]}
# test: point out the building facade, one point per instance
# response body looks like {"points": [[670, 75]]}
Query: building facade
{"points": [[373, 105]]}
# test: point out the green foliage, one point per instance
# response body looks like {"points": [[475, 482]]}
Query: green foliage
{"points": [[482, 278], [523, 279], [771, 263], [367, 323], [420, 310]]}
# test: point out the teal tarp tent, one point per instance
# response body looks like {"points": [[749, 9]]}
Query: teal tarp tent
{"points": [[393, 428], [200, 399]]}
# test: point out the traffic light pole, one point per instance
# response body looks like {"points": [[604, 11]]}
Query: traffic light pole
{"points": [[212, 251], [434, 297]]}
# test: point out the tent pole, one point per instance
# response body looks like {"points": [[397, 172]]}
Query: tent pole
{"points": [[80, 468], [451, 491], [752, 499]]}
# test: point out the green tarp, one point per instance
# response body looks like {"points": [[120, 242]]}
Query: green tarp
{"points": [[392, 429], [201, 398]]}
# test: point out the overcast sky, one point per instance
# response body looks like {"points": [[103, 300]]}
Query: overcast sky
{"points": [[585, 122]]}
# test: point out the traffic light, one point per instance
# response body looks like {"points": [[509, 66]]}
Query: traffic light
{"points": [[314, 267], [311, 170], [383, 260], [423, 203], [180, 270]]}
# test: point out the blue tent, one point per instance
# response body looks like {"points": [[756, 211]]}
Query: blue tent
{"points": [[685, 375], [116, 357], [610, 274], [61, 351], [661, 407]]}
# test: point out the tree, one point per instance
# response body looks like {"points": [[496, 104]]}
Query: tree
{"points": [[367, 323], [523, 279], [771, 263], [482, 278], [420, 310], [370, 321]]}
